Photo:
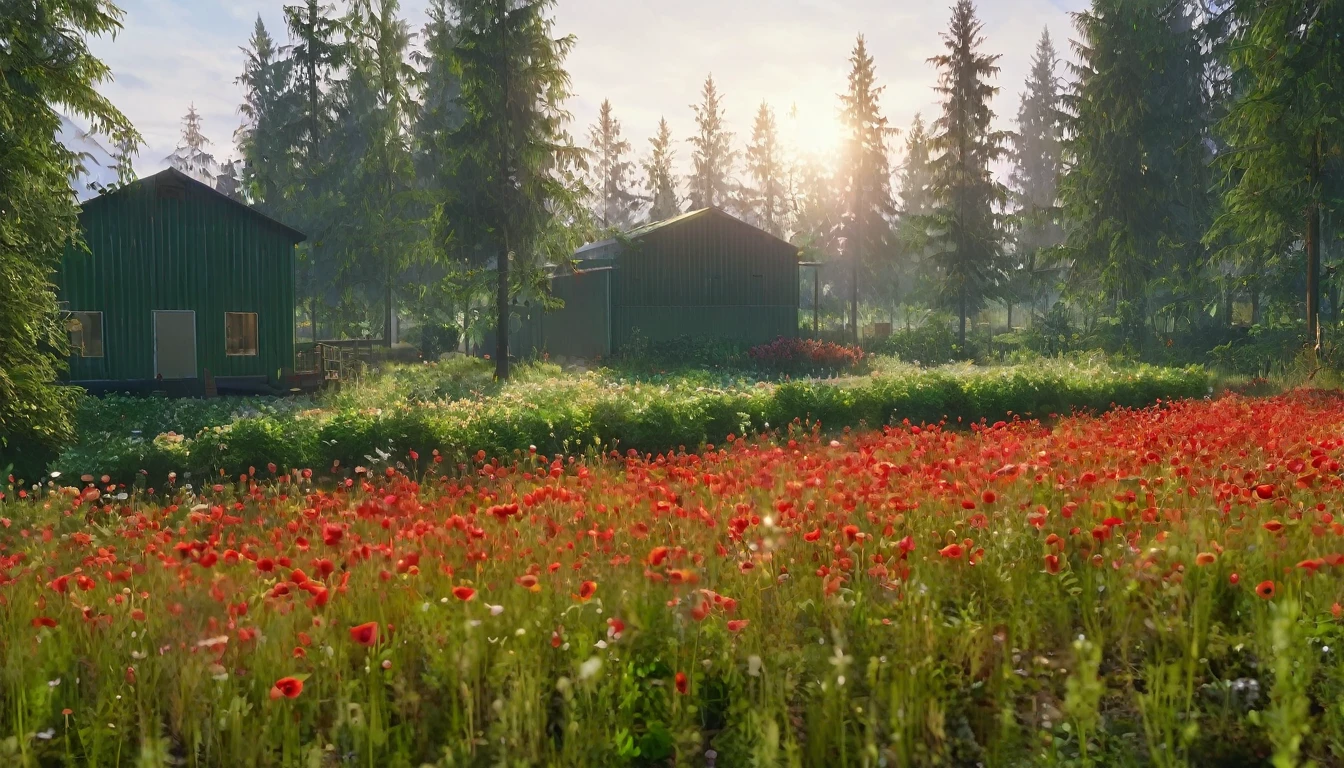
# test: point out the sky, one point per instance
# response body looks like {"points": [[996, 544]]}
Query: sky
{"points": [[649, 58]]}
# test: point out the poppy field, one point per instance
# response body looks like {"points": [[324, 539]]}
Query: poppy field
{"points": [[1156, 586]]}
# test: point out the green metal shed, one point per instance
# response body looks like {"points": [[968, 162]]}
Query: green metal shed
{"points": [[178, 280], [704, 274]]}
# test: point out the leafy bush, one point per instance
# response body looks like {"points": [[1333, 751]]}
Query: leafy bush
{"points": [[574, 413], [933, 342], [794, 355]]}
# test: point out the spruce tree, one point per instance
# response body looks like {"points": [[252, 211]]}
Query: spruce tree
{"points": [[380, 226], [512, 151], [865, 169], [712, 155], [190, 155], [660, 180], [1136, 188], [966, 220], [915, 194], [1285, 169], [1036, 164], [615, 206], [316, 53], [263, 138], [765, 163], [46, 68]]}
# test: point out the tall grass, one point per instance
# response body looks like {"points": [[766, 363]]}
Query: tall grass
{"points": [[1152, 587]]}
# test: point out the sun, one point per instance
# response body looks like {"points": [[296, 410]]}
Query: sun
{"points": [[813, 132]]}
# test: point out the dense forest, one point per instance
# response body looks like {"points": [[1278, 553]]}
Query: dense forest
{"points": [[1179, 178], [1170, 190]]}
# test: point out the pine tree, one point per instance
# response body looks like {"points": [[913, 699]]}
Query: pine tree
{"points": [[660, 180], [1286, 167], [713, 154], [1136, 190], [190, 155], [870, 208], [316, 52], [967, 233], [1036, 159], [440, 88], [765, 163], [915, 193], [263, 139], [38, 213], [512, 151], [381, 222], [615, 205]]}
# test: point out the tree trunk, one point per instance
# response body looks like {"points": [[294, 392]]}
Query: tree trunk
{"points": [[387, 313], [1010, 317], [961, 335], [1255, 305], [502, 316], [1314, 254], [1314, 277]]}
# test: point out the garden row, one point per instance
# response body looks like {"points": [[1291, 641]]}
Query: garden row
{"points": [[575, 413]]}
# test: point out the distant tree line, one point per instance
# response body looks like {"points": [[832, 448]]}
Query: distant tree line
{"points": [[1191, 160]]}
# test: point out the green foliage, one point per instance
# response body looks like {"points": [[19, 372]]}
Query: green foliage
{"points": [[1286, 127], [932, 342], [614, 205], [457, 408], [965, 225], [516, 197], [865, 177], [1136, 192], [660, 179], [1037, 157], [712, 153], [766, 200], [45, 66]]}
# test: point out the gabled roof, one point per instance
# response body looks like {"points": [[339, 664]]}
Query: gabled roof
{"points": [[596, 250], [185, 180]]}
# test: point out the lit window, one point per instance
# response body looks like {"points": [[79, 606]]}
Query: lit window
{"points": [[240, 334], [86, 333]]}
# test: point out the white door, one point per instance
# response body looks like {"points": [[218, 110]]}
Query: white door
{"points": [[175, 344]]}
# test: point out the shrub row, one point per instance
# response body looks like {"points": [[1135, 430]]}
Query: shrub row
{"points": [[579, 413]]}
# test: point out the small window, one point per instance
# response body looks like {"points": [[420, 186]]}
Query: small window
{"points": [[86, 333], [240, 334]]}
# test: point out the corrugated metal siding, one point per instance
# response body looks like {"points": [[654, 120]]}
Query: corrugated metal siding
{"points": [[199, 253], [581, 328], [710, 276]]}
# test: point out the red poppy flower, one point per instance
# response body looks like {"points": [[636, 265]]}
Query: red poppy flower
{"points": [[1264, 491], [464, 593], [289, 687], [737, 625], [44, 621], [1052, 563], [365, 634], [682, 683], [1265, 589], [1205, 558], [1273, 526], [951, 551], [587, 589]]}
